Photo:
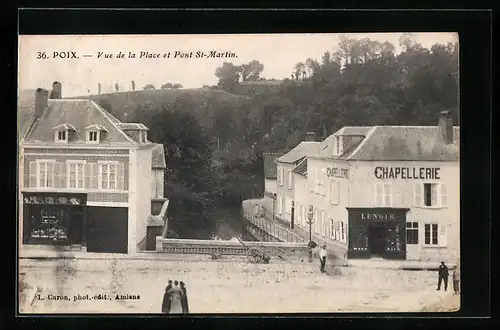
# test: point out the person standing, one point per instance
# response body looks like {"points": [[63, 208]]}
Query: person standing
{"points": [[165, 306], [322, 258], [443, 276], [175, 298], [456, 279], [184, 298]]}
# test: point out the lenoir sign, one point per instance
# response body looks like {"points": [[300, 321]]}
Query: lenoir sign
{"points": [[414, 173]]}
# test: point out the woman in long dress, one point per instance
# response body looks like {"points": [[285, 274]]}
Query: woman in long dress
{"points": [[175, 298], [184, 298]]}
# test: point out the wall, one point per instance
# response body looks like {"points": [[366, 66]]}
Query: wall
{"points": [[87, 155], [144, 177], [157, 183], [283, 193], [362, 192], [270, 185], [301, 200], [321, 198]]}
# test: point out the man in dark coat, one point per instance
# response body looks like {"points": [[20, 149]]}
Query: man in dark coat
{"points": [[165, 306], [443, 276], [184, 299]]}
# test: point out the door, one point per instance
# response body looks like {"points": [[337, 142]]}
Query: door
{"points": [[292, 219], [75, 225], [376, 240], [107, 229]]}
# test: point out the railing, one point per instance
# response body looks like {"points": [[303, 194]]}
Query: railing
{"points": [[191, 246], [282, 234]]}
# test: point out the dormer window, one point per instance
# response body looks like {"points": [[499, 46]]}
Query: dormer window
{"points": [[62, 133], [94, 132]]}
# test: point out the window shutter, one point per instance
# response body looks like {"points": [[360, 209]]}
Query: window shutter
{"points": [[120, 176], [378, 194], [94, 176], [388, 194], [87, 169], [57, 175], [32, 174], [434, 195], [417, 194], [63, 170], [444, 194], [337, 192], [442, 235]]}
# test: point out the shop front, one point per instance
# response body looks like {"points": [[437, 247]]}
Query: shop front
{"points": [[54, 218], [377, 232]]}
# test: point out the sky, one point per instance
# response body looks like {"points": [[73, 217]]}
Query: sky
{"points": [[80, 76]]}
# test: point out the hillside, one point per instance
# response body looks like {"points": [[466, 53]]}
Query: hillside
{"points": [[203, 102]]}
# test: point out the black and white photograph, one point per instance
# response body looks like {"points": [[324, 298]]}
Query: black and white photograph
{"points": [[238, 173]]}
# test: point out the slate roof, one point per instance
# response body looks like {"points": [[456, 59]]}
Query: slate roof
{"points": [[25, 111], [303, 149], [81, 114], [406, 143], [96, 127], [158, 160], [133, 126], [270, 170]]}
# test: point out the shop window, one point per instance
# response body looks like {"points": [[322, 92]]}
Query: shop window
{"points": [[412, 233], [48, 225], [45, 174]]}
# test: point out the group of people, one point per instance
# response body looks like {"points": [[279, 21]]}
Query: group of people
{"points": [[175, 299], [443, 272]]}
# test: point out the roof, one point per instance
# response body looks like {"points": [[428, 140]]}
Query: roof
{"points": [[79, 114], [303, 149], [67, 127], [96, 127], [133, 127], [158, 160], [301, 168], [269, 159], [406, 143], [25, 111]]}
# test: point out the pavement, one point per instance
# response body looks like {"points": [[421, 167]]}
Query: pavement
{"points": [[224, 286]]}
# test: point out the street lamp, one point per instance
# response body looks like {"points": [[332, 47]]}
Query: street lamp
{"points": [[310, 215]]}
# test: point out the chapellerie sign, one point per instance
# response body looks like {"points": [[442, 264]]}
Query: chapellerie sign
{"points": [[409, 173], [335, 172]]}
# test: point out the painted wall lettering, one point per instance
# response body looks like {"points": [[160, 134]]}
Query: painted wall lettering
{"points": [[415, 173], [337, 172]]}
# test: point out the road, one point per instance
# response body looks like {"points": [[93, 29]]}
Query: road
{"points": [[227, 287]]}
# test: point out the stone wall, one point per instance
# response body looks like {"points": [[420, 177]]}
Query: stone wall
{"points": [[285, 250]]}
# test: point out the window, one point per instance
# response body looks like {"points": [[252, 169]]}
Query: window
{"points": [[430, 195], [342, 237], [280, 176], [280, 204], [76, 175], [334, 192], [62, 135], [383, 194], [93, 136], [332, 228], [290, 179], [108, 176], [45, 174], [431, 234], [412, 233]]}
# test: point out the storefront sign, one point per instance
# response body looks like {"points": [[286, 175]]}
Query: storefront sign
{"points": [[377, 216], [415, 173], [335, 172], [53, 200]]}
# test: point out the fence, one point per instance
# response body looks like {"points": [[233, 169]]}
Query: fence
{"points": [[283, 234]]}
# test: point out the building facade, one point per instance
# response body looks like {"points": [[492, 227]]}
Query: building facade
{"points": [[391, 192], [87, 180]]}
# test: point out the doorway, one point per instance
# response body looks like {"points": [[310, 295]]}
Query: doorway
{"points": [[376, 240], [292, 216]]}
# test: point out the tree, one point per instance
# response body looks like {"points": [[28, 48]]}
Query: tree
{"points": [[251, 71], [176, 86], [149, 86], [229, 76], [166, 86], [133, 85], [299, 69]]}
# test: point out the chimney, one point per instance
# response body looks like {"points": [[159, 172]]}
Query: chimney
{"points": [[41, 101], [310, 136], [56, 90], [445, 126]]}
